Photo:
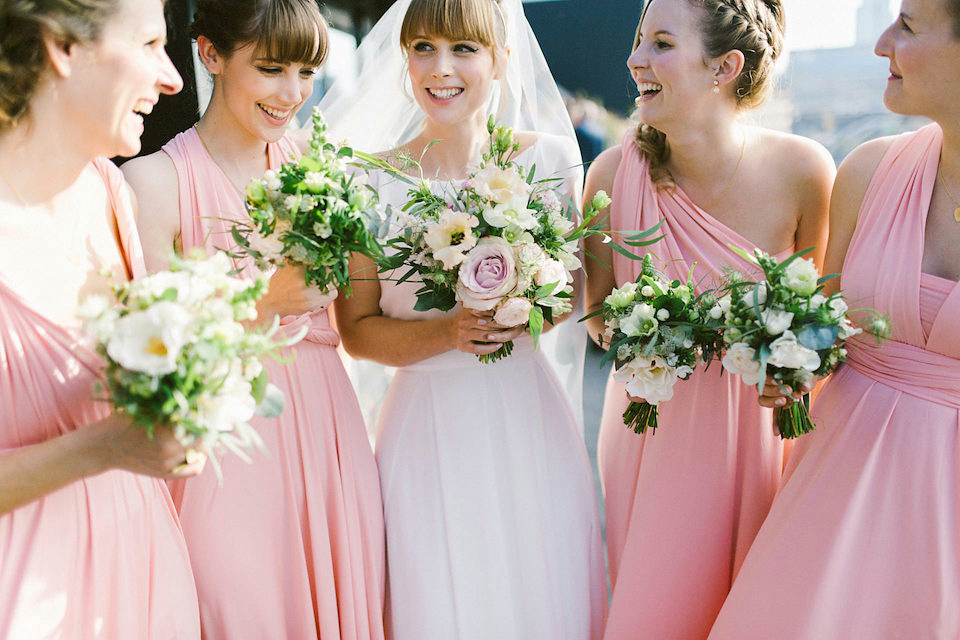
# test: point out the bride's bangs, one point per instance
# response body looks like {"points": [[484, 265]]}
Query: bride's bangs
{"points": [[293, 32], [474, 20]]}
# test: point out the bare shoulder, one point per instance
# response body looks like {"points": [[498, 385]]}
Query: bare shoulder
{"points": [[152, 176], [603, 169], [794, 156], [861, 163]]}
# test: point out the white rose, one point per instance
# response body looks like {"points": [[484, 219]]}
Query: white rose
{"points": [[513, 312], [738, 360], [641, 321], [801, 276], [649, 378], [776, 321], [838, 307], [787, 353], [149, 341], [270, 247]]}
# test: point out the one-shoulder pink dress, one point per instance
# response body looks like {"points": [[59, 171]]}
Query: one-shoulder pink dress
{"points": [[102, 557], [292, 545], [863, 540], [683, 503]]}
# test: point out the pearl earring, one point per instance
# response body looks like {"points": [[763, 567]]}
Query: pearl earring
{"points": [[716, 86]]}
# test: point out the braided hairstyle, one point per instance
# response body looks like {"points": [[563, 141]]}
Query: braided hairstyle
{"points": [[753, 27], [287, 31], [953, 8], [23, 57]]}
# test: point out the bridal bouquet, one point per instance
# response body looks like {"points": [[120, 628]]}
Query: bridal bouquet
{"points": [[177, 353], [312, 212], [784, 328], [501, 240], [657, 331]]}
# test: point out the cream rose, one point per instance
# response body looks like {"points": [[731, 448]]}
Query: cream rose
{"points": [[776, 321], [513, 312], [650, 378], [500, 185]]}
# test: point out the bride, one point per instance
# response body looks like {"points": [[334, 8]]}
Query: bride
{"points": [[492, 526]]}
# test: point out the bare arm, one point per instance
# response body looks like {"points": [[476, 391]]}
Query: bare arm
{"points": [[816, 173], [598, 261], [370, 335], [153, 179]]}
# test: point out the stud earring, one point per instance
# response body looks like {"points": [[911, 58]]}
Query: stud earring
{"points": [[716, 86]]}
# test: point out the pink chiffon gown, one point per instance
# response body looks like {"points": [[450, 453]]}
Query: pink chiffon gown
{"points": [[292, 545], [102, 557], [683, 503], [863, 540]]}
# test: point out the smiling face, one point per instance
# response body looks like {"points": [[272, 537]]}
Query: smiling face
{"points": [[923, 53], [115, 80], [668, 63], [451, 79], [261, 95]]}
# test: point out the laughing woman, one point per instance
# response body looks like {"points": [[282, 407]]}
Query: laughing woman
{"points": [[683, 504], [88, 548], [863, 540], [492, 528], [290, 546]]}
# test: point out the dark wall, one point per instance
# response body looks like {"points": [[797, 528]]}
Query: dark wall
{"points": [[586, 43]]}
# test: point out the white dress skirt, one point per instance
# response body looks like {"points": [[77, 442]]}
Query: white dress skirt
{"points": [[490, 511]]}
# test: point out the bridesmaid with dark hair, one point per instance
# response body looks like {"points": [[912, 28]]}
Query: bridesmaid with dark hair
{"points": [[291, 546], [683, 504]]}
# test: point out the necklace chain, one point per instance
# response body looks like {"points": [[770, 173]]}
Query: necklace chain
{"points": [[956, 210], [216, 162], [736, 170]]}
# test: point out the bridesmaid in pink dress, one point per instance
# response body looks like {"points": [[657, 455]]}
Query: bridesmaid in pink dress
{"points": [[291, 546], [90, 546], [863, 540], [684, 503]]}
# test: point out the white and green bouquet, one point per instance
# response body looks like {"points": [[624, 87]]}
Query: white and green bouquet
{"points": [[657, 331], [178, 354], [313, 212], [784, 328], [501, 240]]}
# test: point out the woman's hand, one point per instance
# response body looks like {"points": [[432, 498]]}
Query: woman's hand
{"points": [[289, 295], [477, 332], [775, 394], [120, 444]]}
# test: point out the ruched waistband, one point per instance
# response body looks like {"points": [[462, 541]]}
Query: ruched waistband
{"points": [[928, 375], [318, 326]]}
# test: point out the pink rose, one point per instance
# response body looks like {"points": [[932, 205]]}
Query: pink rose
{"points": [[487, 274]]}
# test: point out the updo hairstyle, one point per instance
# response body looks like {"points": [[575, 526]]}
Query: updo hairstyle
{"points": [[23, 58], [753, 27]]}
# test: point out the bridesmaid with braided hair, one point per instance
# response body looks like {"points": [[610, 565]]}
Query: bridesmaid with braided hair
{"points": [[683, 504]]}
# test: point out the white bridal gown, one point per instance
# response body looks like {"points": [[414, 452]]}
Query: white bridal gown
{"points": [[490, 511]]}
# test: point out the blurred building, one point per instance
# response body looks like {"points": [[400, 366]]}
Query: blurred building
{"points": [[835, 96]]}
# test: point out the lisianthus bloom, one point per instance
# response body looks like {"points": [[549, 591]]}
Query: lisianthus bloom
{"points": [[787, 353], [739, 360], [514, 212], [642, 321], [800, 276]]}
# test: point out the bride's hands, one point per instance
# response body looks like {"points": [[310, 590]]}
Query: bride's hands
{"points": [[288, 294], [476, 332]]}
